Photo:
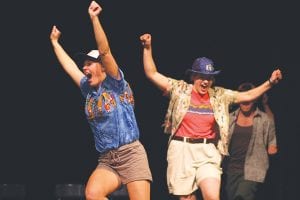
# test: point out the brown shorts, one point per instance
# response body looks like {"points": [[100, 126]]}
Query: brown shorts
{"points": [[129, 162]]}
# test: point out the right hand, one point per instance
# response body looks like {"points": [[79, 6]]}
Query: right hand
{"points": [[55, 34], [94, 9], [146, 40]]}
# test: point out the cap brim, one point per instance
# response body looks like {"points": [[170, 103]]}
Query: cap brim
{"points": [[197, 72], [81, 57]]}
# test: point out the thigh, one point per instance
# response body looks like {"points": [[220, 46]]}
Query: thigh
{"points": [[210, 188], [139, 190], [209, 165], [188, 197], [181, 170], [231, 184], [246, 190], [132, 163], [102, 182], [209, 172]]}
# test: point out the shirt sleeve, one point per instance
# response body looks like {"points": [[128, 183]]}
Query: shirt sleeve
{"points": [[271, 133], [118, 85], [231, 95], [175, 86]]}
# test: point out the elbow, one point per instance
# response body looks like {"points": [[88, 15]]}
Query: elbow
{"points": [[150, 74]]}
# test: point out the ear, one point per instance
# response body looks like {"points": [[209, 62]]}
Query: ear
{"points": [[213, 81], [192, 78], [102, 68]]}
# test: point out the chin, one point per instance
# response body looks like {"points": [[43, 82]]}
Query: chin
{"points": [[92, 84], [202, 91]]}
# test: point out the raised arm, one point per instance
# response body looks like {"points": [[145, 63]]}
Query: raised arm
{"points": [[107, 58], [259, 90], [65, 60], [151, 72]]}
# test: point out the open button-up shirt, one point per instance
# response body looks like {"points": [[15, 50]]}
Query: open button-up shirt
{"points": [[180, 96]]}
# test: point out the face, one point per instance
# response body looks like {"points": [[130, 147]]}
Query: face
{"points": [[247, 106], [94, 71], [202, 82]]}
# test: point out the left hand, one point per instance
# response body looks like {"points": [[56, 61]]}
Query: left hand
{"points": [[276, 76]]}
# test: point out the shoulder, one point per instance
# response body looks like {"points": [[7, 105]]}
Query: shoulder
{"points": [[264, 116], [222, 91], [179, 84], [118, 78]]}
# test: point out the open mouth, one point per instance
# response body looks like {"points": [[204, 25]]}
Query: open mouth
{"points": [[88, 75], [204, 86]]}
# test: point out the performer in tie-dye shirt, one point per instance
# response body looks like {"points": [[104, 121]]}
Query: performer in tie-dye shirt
{"points": [[109, 109]]}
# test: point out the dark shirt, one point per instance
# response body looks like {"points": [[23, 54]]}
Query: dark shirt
{"points": [[238, 148]]}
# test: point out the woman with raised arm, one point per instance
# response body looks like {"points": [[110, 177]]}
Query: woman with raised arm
{"points": [[197, 120], [109, 109]]}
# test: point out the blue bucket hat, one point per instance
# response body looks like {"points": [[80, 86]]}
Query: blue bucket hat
{"points": [[203, 65]]}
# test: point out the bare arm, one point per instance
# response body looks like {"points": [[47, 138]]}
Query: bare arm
{"points": [[151, 72], [107, 58], [65, 60], [254, 93]]}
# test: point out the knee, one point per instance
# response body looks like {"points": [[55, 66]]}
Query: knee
{"points": [[212, 196], [187, 197], [92, 193]]}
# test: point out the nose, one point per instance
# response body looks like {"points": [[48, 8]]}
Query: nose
{"points": [[85, 67]]}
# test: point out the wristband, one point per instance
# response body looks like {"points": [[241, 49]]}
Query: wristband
{"points": [[271, 82]]}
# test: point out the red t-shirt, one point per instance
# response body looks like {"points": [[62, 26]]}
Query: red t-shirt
{"points": [[199, 121]]}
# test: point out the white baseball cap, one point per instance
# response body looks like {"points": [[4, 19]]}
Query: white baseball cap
{"points": [[93, 55]]}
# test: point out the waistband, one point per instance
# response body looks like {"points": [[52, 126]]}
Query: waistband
{"points": [[195, 140]]}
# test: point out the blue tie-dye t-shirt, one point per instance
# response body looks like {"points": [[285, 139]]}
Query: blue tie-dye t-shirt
{"points": [[110, 113]]}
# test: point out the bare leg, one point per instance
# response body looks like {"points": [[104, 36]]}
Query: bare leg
{"points": [[101, 183], [210, 188], [188, 197], [139, 190]]}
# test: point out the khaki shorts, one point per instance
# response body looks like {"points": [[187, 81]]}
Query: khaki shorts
{"points": [[129, 162], [188, 164]]}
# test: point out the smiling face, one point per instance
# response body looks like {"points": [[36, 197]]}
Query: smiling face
{"points": [[202, 82], [94, 71]]}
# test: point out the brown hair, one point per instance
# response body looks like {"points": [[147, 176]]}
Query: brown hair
{"points": [[246, 86]]}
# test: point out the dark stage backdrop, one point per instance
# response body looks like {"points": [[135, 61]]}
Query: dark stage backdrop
{"points": [[45, 138]]}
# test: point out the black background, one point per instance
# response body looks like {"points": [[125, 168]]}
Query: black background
{"points": [[45, 138]]}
